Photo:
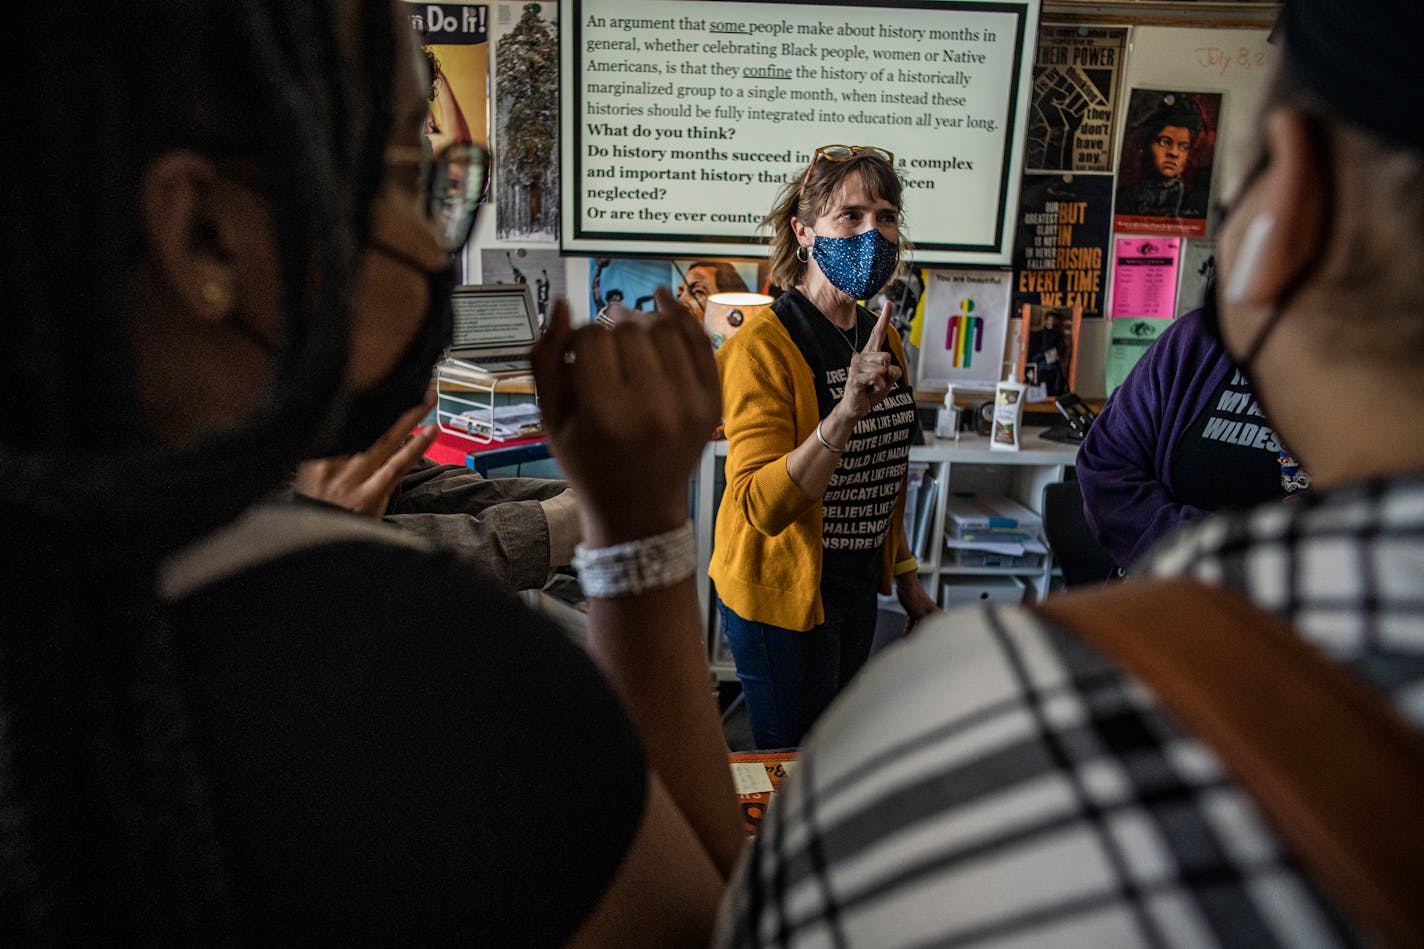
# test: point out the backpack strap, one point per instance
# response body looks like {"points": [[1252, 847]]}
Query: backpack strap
{"points": [[1332, 765]]}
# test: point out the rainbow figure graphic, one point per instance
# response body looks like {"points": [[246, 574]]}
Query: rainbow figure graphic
{"points": [[965, 335]]}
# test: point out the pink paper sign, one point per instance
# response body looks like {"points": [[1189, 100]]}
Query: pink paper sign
{"points": [[1145, 276]]}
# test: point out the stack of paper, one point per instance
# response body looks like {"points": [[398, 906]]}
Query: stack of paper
{"points": [[1027, 554], [992, 531], [516, 420], [973, 513]]}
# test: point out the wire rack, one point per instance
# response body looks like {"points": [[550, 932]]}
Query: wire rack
{"points": [[466, 404]]}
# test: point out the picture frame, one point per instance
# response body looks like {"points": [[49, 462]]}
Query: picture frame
{"points": [[1048, 350]]}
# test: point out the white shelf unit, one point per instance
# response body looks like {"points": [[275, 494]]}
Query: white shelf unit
{"points": [[964, 465]]}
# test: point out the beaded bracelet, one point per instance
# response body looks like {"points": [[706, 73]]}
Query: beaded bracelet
{"points": [[825, 444], [637, 566]]}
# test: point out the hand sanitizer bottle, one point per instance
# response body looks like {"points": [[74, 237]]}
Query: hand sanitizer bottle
{"points": [[947, 420]]}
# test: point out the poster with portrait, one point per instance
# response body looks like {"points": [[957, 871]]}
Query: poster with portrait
{"points": [[541, 268], [456, 36], [965, 325], [697, 280], [455, 39], [905, 294], [618, 287], [1165, 167], [1048, 350], [1075, 81], [1060, 250], [525, 189]]}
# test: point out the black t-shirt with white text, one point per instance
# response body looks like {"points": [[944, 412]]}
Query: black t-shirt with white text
{"points": [[860, 500], [1229, 458]]}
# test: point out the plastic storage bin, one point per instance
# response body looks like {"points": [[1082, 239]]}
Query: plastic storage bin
{"points": [[966, 591]]}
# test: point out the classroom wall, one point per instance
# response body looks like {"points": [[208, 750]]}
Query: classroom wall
{"points": [[1232, 61]]}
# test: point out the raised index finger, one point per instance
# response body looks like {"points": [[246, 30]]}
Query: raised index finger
{"points": [[877, 335]]}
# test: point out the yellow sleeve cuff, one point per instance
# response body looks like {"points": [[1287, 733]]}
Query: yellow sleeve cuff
{"points": [[906, 565]]}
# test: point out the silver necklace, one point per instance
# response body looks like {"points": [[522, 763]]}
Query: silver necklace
{"points": [[855, 346]]}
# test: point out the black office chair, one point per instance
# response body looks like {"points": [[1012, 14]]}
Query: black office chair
{"points": [[1077, 552]]}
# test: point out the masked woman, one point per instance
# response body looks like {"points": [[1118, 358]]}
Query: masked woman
{"points": [[819, 422]]}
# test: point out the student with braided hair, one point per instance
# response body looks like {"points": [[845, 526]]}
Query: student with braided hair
{"points": [[225, 721]]}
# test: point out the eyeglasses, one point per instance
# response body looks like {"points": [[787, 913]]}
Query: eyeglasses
{"points": [[453, 184], [845, 153]]}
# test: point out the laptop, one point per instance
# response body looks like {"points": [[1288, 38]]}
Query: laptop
{"points": [[495, 327]]}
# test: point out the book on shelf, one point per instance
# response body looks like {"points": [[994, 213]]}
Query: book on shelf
{"points": [[921, 543], [914, 481]]}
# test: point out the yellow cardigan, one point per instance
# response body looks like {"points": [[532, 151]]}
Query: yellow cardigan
{"points": [[766, 561]]}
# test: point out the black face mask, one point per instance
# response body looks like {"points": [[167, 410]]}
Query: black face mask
{"points": [[1211, 312], [1211, 309], [1211, 321], [370, 412]]}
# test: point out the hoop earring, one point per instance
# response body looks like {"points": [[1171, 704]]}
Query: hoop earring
{"points": [[803, 253]]}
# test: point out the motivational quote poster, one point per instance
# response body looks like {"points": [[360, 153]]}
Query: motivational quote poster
{"points": [[1060, 253], [1075, 81]]}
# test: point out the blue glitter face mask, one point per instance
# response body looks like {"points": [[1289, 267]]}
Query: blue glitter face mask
{"points": [[856, 266]]}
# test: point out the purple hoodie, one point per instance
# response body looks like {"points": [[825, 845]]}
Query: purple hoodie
{"points": [[1125, 462]]}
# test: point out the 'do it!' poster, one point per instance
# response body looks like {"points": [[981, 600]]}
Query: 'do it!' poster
{"points": [[456, 35]]}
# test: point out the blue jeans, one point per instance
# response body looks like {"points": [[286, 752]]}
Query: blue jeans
{"points": [[788, 676]]}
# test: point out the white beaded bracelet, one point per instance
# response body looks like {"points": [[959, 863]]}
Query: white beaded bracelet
{"points": [[825, 444], [637, 566]]}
